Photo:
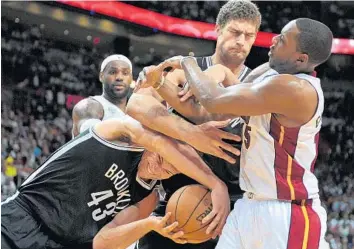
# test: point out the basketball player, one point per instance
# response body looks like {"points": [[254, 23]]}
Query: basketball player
{"points": [[282, 110], [116, 77], [237, 26], [81, 186]]}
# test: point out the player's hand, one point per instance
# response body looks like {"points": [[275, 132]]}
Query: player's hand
{"points": [[153, 166], [149, 76], [159, 225], [209, 139], [173, 62], [185, 94], [221, 209]]}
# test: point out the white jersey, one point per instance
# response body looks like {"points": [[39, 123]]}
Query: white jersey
{"points": [[110, 110], [277, 162]]}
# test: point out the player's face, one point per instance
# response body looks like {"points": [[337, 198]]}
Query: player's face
{"points": [[116, 79], [284, 56], [235, 40]]}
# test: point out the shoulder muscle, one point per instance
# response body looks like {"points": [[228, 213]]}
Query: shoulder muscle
{"points": [[88, 108]]}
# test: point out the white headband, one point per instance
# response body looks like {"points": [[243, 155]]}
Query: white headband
{"points": [[116, 57]]}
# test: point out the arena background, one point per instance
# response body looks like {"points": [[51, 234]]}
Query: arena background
{"points": [[51, 52]]}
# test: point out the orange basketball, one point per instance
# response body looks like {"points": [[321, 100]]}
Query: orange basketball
{"points": [[188, 206]]}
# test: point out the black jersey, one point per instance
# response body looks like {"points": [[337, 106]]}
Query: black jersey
{"points": [[227, 172], [82, 186]]}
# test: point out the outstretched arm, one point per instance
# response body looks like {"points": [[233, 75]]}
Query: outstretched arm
{"points": [[274, 95], [181, 156], [85, 113], [205, 138]]}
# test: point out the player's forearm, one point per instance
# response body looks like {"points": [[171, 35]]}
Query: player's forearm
{"points": [[189, 109], [154, 115], [185, 159], [111, 237], [203, 87]]}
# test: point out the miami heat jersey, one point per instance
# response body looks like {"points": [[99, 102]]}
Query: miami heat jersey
{"points": [[277, 162], [110, 110]]}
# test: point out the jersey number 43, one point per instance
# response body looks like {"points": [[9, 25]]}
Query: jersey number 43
{"points": [[99, 214]]}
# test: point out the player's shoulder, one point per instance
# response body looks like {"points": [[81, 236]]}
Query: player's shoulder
{"points": [[88, 107], [284, 81], [291, 87], [89, 101], [292, 82]]}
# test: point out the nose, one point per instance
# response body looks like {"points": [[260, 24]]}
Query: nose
{"points": [[119, 76], [240, 40]]}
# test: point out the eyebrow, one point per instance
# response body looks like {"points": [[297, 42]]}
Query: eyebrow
{"points": [[240, 31], [282, 36]]}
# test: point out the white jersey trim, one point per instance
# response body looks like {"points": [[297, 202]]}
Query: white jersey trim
{"points": [[56, 155], [114, 145]]}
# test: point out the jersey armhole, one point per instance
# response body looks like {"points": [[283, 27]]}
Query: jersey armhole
{"points": [[147, 184]]}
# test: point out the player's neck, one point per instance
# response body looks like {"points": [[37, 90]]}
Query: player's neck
{"points": [[120, 103], [235, 68]]}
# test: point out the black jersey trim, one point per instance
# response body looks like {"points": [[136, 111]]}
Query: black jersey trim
{"points": [[115, 146]]}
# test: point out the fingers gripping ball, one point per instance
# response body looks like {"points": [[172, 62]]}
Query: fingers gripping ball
{"points": [[188, 206]]}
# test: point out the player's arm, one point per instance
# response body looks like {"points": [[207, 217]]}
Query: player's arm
{"points": [[153, 114], [184, 158], [275, 95], [132, 223], [192, 109], [86, 113]]}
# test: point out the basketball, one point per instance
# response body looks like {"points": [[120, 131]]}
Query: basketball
{"points": [[188, 206]]}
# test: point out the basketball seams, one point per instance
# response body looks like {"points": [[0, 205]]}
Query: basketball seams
{"points": [[178, 201], [196, 206], [205, 224]]}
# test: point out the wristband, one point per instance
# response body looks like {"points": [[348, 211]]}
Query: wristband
{"points": [[162, 81]]}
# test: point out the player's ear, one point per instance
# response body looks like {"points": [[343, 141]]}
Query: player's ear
{"points": [[303, 59], [218, 29], [101, 77]]}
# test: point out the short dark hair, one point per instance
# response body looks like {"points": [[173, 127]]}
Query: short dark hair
{"points": [[315, 39], [239, 9]]}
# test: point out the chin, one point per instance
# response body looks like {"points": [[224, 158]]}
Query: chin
{"points": [[271, 64], [121, 94]]}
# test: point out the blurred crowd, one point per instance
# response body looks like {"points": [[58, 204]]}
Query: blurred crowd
{"points": [[336, 15], [40, 73]]}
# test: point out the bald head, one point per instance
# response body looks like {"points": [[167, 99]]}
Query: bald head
{"points": [[314, 39]]}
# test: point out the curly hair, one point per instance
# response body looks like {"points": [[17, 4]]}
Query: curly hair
{"points": [[239, 9]]}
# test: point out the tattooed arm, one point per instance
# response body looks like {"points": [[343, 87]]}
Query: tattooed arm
{"points": [[83, 111]]}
